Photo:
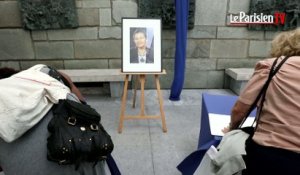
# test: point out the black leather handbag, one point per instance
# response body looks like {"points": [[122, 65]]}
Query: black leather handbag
{"points": [[76, 134]]}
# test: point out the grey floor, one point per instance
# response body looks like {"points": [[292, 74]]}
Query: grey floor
{"points": [[142, 148]]}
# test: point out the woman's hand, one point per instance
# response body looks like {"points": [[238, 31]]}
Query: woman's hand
{"points": [[238, 113], [226, 129]]}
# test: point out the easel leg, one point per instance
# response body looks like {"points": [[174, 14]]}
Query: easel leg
{"points": [[162, 113], [123, 105], [142, 80], [134, 92]]}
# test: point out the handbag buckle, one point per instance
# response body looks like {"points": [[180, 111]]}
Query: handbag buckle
{"points": [[94, 127], [61, 162], [103, 157], [72, 121]]}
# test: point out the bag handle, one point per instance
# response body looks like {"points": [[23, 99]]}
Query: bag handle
{"points": [[262, 93]]}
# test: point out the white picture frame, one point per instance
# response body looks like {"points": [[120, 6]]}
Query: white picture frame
{"points": [[141, 45]]}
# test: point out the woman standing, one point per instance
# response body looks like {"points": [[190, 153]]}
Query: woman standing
{"points": [[275, 146]]}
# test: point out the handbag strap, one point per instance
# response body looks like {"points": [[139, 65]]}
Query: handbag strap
{"points": [[262, 93]]}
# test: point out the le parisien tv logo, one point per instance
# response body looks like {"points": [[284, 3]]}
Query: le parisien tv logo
{"points": [[258, 18]]}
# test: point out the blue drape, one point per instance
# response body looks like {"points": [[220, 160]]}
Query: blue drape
{"points": [[182, 9]]}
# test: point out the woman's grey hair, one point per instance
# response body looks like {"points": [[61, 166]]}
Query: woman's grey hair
{"points": [[286, 44]]}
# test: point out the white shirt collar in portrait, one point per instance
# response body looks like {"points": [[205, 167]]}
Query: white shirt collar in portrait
{"points": [[142, 59]]}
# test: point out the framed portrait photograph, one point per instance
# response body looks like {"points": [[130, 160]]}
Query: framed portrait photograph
{"points": [[141, 45]]}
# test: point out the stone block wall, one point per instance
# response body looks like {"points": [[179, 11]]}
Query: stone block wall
{"points": [[212, 47]]}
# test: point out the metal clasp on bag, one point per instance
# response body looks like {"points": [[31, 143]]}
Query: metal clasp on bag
{"points": [[94, 127], [61, 162], [72, 121], [103, 157]]}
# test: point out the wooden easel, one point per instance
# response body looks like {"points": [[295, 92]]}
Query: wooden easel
{"points": [[142, 78]]}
